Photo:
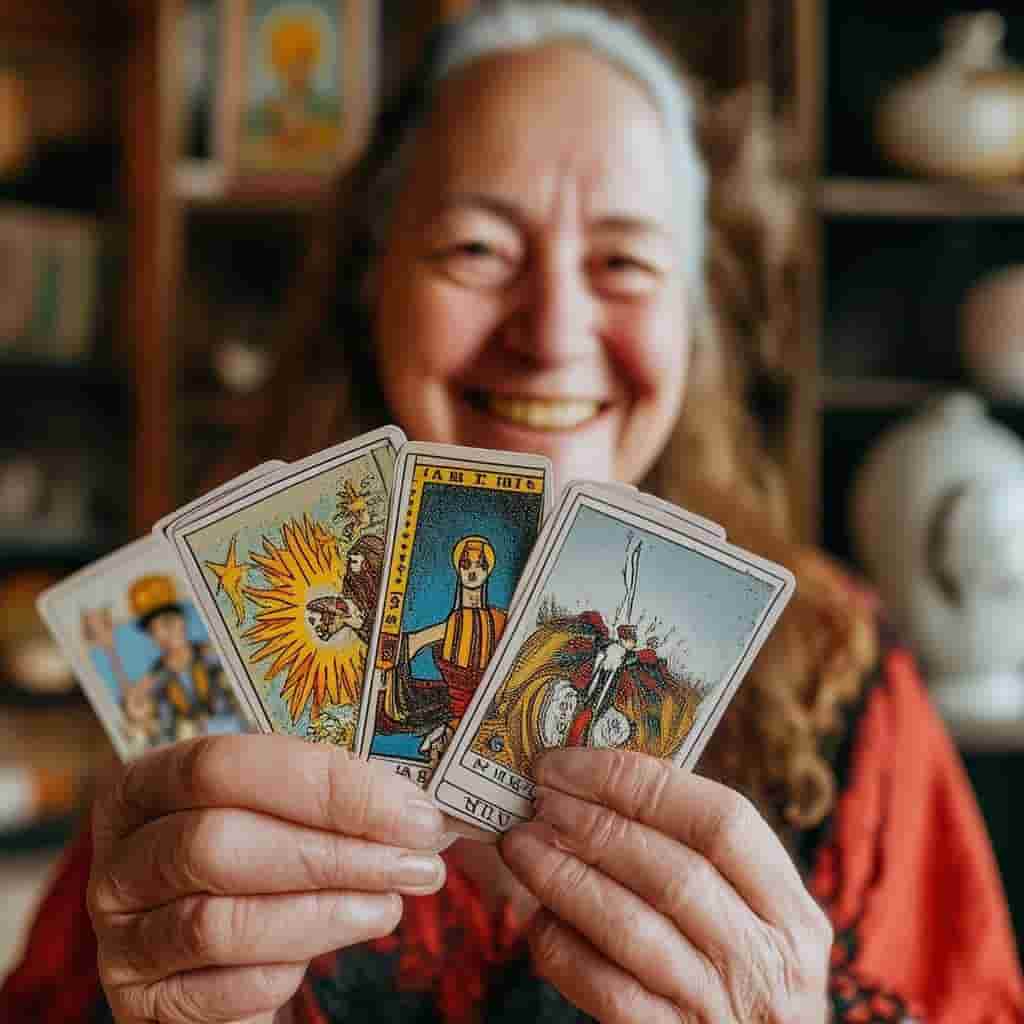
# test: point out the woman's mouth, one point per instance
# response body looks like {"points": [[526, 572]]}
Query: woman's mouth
{"points": [[538, 413]]}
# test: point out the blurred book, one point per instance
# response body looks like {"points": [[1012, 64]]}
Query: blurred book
{"points": [[50, 280]]}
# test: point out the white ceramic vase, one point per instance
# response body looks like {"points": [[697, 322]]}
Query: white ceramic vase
{"points": [[937, 515], [963, 115]]}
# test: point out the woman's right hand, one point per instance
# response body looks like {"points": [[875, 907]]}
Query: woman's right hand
{"points": [[222, 866]]}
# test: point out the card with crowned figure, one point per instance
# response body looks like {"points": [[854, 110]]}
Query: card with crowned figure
{"points": [[140, 650]]}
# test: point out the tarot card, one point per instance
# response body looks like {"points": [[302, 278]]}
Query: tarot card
{"points": [[700, 522], [288, 576], [140, 650], [631, 630], [233, 488], [163, 525], [463, 522]]}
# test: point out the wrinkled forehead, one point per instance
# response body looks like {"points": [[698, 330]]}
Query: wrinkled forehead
{"points": [[527, 123]]}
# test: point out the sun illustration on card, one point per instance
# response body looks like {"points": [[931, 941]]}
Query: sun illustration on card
{"points": [[324, 662]]}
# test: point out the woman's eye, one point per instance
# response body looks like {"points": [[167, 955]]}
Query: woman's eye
{"points": [[622, 274], [478, 263], [475, 249]]}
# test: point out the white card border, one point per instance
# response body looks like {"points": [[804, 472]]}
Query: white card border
{"points": [[163, 525]]}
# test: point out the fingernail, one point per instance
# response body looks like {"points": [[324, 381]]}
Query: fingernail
{"points": [[417, 871], [443, 843], [424, 819], [366, 910]]}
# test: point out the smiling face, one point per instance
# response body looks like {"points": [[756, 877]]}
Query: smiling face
{"points": [[529, 295]]}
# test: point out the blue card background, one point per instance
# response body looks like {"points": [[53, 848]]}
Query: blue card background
{"points": [[509, 520], [138, 652]]}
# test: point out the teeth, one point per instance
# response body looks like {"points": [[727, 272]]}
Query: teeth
{"points": [[543, 413]]}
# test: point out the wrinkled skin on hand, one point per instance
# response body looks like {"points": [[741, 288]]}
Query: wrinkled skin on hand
{"points": [[666, 897], [223, 865]]}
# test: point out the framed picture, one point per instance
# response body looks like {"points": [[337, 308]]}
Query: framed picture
{"points": [[297, 90]]}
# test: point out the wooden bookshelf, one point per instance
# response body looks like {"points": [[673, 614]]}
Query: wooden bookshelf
{"points": [[859, 211], [850, 194], [128, 40]]}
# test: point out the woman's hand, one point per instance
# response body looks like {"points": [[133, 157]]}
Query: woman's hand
{"points": [[665, 897], [223, 865]]}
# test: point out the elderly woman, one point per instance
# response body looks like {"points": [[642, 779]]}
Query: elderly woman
{"points": [[519, 262]]}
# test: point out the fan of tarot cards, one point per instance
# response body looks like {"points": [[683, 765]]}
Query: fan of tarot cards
{"points": [[434, 607]]}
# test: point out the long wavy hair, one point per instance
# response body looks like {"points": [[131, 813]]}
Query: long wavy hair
{"points": [[717, 462]]}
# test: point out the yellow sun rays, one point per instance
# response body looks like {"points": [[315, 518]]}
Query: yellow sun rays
{"points": [[303, 567]]}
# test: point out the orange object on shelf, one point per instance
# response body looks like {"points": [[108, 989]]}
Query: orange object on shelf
{"points": [[30, 795]]}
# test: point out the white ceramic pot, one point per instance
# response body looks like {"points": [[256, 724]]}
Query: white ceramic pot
{"points": [[992, 332], [937, 516], [963, 115]]}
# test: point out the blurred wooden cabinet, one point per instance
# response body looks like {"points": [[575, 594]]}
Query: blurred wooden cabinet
{"points": [[104, 163], [84, 400], [198, 266], [889, 259], [231, 255], [886, 256], [890, 256]]}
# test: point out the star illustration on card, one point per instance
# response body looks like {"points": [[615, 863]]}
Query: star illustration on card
{"points": [[231, 577]]}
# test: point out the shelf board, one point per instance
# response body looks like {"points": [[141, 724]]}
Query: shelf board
{"points": [[877, 392], [202, 189], [879, 197], [981, 736]]}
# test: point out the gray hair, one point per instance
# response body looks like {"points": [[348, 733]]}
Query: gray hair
{"points": [[508, 25]]}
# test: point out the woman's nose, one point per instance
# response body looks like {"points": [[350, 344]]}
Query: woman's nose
{"points": [[554, 319]]}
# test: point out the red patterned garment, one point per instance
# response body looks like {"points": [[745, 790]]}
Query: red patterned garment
{"points": [[903, 867], [908, 876]]}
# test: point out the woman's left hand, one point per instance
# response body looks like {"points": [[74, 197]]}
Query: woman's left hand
{"points": [[666, 897]]}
